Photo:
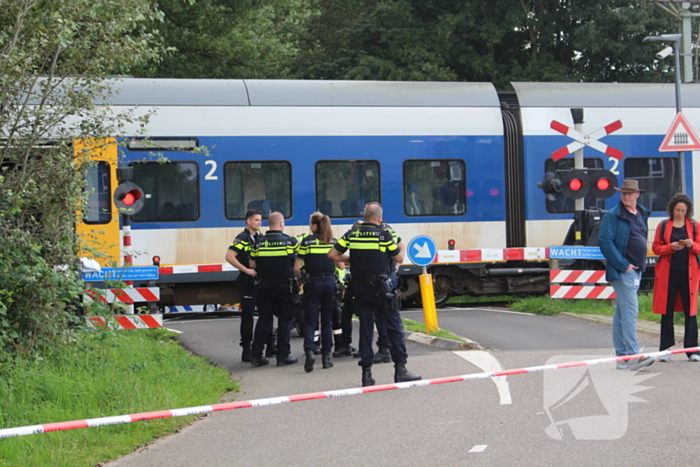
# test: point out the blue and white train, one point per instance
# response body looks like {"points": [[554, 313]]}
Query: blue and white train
{"points": [[459, 162]]}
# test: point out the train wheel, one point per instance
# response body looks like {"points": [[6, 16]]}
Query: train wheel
{"points": [[440, 299]]}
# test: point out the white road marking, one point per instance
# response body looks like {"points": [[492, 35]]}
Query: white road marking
{"points": [[451, 308], [174, 330], [479, 448], [489, 364]]}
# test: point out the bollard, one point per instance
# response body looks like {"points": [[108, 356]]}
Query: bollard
{"points": [[428, 299]]}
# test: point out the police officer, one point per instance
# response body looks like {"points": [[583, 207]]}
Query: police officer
{"points": [[319, 288], [343, 347], [370, 249], [383, 354], [274, 259], [238, 255]]}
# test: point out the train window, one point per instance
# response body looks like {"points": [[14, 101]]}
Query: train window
{"points": [[171, 190], [162, 144], [558, 203], [99, 203], [658, 176], [265, 186], [434, 187], [344, 187]]}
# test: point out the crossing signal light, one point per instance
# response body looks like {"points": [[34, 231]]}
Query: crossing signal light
{"points": [[129, 197], [603, 183], [575, 183], [551, 185], [450, 244]]}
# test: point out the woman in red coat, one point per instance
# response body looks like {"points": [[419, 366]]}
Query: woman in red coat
{"points": [[676, 273]]}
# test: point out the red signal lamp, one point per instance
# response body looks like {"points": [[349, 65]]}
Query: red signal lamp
{"points": [[129, 196], [450, 244], [603, 183], [575, 183]]}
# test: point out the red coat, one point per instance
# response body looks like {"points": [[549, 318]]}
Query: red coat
{"points": [[663, 266]]}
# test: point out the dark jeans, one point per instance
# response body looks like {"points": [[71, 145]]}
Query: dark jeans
{"points": [[367, 306], [678, 283], [319, 294], [274, 300]]}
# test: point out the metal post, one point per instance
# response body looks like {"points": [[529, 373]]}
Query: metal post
{"points": [[128, 257], [679, 108], [686, 46], [428, 298], [676, 40], [577, 115]]}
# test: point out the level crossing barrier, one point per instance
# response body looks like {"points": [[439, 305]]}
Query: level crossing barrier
{"points": [[575, 284], [127, 296]]}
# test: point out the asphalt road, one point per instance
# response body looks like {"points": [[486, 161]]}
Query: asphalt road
{"points": [[592, 415], [502, 329]]}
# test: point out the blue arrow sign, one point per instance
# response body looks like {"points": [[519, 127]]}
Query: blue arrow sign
{"points": [[421, 250], [139, 273], [575, 252]]}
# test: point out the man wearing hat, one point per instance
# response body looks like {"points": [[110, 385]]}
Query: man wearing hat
{"points": [[623, 242]]}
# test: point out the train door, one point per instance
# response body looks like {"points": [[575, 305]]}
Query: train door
{"points": [[98, 225]]}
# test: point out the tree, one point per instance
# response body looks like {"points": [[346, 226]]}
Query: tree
{"points": [[228, 39], [471, 40], [55, 57]]}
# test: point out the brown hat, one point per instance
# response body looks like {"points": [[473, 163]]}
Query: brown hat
{"points": [[630, 186]]}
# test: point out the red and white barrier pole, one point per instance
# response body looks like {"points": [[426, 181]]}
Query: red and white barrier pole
{"points": [[119, 419], [128, 253]]}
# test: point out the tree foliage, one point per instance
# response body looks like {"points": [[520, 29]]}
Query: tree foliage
{"points": [[471, 40], [228, 38], [54, 58]]}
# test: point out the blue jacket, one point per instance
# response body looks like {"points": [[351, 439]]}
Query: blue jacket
{"points": [[613, 237]]}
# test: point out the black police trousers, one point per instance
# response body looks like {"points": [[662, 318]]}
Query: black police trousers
{"points": [[248, 293], [274, 299], [368, 303], [383, 339], [319, 295]]}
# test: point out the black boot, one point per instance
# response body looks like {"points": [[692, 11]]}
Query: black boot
{"points": [[245, 355], [261, 361], [326, 361], [342, 351], [286, 361], [402, 375], [310, 360], [367, 379], [382, 356]]}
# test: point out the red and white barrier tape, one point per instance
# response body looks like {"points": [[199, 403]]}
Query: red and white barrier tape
{"points": [[119, 419]]}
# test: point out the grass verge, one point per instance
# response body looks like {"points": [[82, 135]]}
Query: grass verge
{"points": [[415, 326], [101, 374], [547, 306], [481, 299]]}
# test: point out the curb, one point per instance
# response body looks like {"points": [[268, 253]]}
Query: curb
{"points": [[443, 343], [644, 327]]}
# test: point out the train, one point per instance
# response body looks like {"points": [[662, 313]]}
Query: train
{"points": [[459, 162]]}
